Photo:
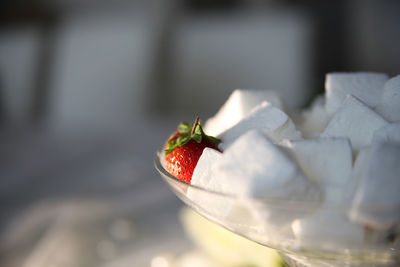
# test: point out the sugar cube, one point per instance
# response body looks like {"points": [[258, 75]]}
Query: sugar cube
{"points": [[204, 176], [266, 118], [367, 86], [328, 227], [356, 121], [254, 167], [377, 199], [314, 120], [205, 169], [389, 105], [325, 160], [388, 134], [239, 104]]}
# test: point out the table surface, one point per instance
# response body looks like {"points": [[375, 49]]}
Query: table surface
{"points": [[86, 197]]}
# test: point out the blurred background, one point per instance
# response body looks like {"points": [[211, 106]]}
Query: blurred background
{"points": [[90, 89]]}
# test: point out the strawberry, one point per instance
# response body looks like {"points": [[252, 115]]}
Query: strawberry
{"points": [[184, 148]]}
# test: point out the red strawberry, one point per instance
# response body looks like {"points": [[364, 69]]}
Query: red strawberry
{"points": [[184, 148]]}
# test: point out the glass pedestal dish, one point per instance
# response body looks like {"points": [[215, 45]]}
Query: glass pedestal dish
{"points": [[269, 222]]}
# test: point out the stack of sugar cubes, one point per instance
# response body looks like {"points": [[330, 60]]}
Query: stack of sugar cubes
{"points": [[342, 153]]}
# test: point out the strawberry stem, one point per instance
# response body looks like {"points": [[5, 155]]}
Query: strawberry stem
{"points": [[187, 132], [196, 121]]}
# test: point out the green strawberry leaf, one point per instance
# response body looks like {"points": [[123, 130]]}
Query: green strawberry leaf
{"points": [[198, 130], [187, 132], [213, 140], [197, 138], [184, 127]]}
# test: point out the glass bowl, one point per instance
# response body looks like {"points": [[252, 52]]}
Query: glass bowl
{"points": [[270, 222]]}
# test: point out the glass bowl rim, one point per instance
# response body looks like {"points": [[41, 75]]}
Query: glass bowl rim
{"points": [[272, 201]]}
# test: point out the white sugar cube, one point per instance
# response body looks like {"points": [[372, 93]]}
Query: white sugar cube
{"points": [[388, 134], [209, 197], [367, 86], [204, 176], [341, 195], [377, 199], [266, 118], [361, 163], [356, 121], [325, 160], [254, 167], [205, 169], [315, 119], [239, 104], [389, 105], [328, 227], [329, 162]]}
